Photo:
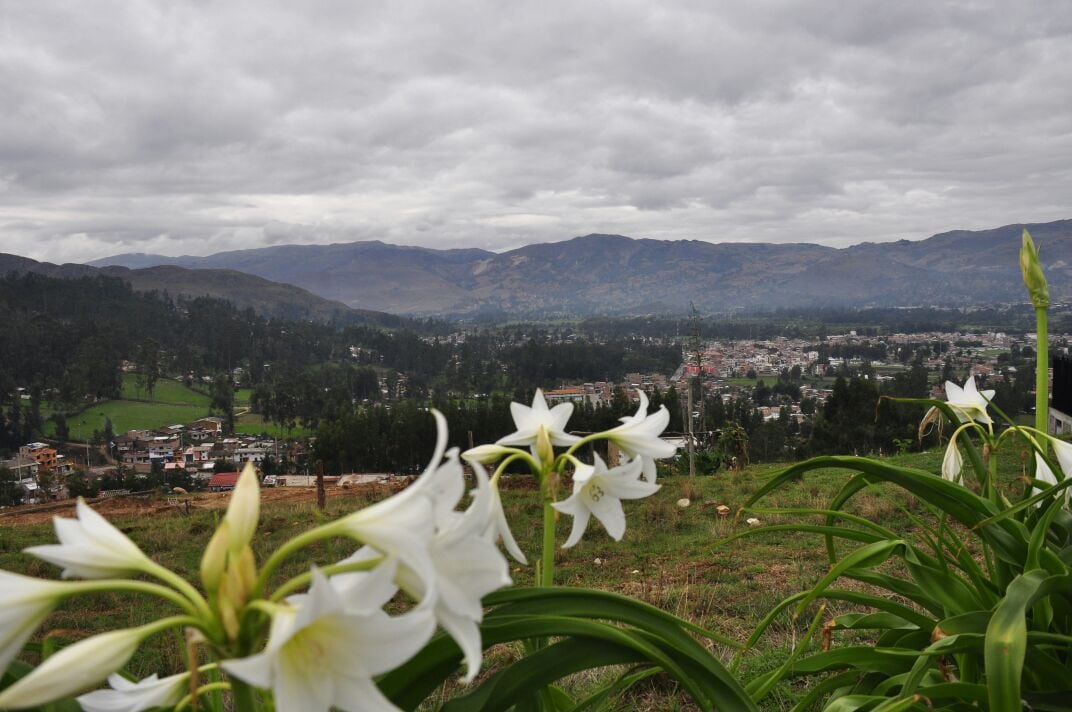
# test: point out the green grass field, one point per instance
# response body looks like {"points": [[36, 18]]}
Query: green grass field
{"points": [[672, 557], [254, 424], [172, 403], [167, 390], [130, 415]]}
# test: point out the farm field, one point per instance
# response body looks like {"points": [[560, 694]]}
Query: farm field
{"points": [[172, 402], [672, 557], [167, 391], [129, 415], [253, 424]]}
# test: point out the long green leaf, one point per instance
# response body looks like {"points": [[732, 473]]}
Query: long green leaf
{"points": [[539, 669], [602, 605], [705, 679], [865, 557], [1006, 636], [762, 685], [624, 682], [1008, 539]]}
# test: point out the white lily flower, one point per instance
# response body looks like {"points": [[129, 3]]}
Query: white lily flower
{"points": [[498, 528], [468, 566], [90, 547], [599, 491], [1043, 473], [25, 602], [402, 525], [74, 669], [638, 436], [967, 402], [952, 461], [1063, 450], [363, 591], [322, 655], [530, 421], [243, 510], [127, 696]]}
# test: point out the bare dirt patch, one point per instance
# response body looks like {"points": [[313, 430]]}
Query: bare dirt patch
{"points": [[142, 505]]}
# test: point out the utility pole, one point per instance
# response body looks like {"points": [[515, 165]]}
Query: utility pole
{"points": [[692, 448], [697, 357]]}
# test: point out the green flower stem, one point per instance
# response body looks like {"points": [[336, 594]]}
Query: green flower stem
{"points": [[325, 531], [1042, 365], [180, 584], [163, 624], [130, 586], [578, 445], [209, 687], [547, 570], [991, 489], [303, 580], [519, 455], [244, 699], [268, 608]]}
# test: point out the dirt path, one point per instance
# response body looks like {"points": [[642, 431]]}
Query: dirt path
{"points": [[148, 504]]}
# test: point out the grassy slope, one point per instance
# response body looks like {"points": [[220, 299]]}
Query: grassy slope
{"points": [[254, 424], [670, 556], [172, 402]]}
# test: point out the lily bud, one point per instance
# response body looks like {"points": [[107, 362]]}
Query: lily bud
{"points": [[73, 669], [1034, 279], [952, 461], [245, 574], [214, 559], [228, 614], [25, 604], [545, 451], [244, 509], [486, 454]]}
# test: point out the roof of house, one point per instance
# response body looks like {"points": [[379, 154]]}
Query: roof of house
{"points": [[223, 479]]}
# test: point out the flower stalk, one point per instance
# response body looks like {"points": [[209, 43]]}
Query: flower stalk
{"points": [[1039, 291], [547, 562], [1042, 368]]}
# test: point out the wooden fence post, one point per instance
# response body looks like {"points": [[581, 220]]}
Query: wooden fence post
{"points": [[321, 495]]}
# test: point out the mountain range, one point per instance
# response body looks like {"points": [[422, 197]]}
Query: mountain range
{"points": [[272, 299], [613, 274]]}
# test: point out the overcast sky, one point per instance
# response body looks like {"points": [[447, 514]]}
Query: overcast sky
{"points": [[193, 127]]}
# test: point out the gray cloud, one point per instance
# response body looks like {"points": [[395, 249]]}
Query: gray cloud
{"points": [[193, 127]]}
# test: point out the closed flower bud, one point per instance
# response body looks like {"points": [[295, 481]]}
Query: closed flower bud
{"points": [[73, 669], [25, 603], [545, 451], [487, 454], [228, 613], [244, 575], [244, 509], [1034, 279], [214, 559]]}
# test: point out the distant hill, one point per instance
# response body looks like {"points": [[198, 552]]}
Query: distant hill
{"points": [[613, 274], [244, 290]]}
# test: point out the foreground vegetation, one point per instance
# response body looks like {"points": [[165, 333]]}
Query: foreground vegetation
{"points": [[670, 557]]}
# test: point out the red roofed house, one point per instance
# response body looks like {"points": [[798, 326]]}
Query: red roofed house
{"points": [[223, 482]]}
